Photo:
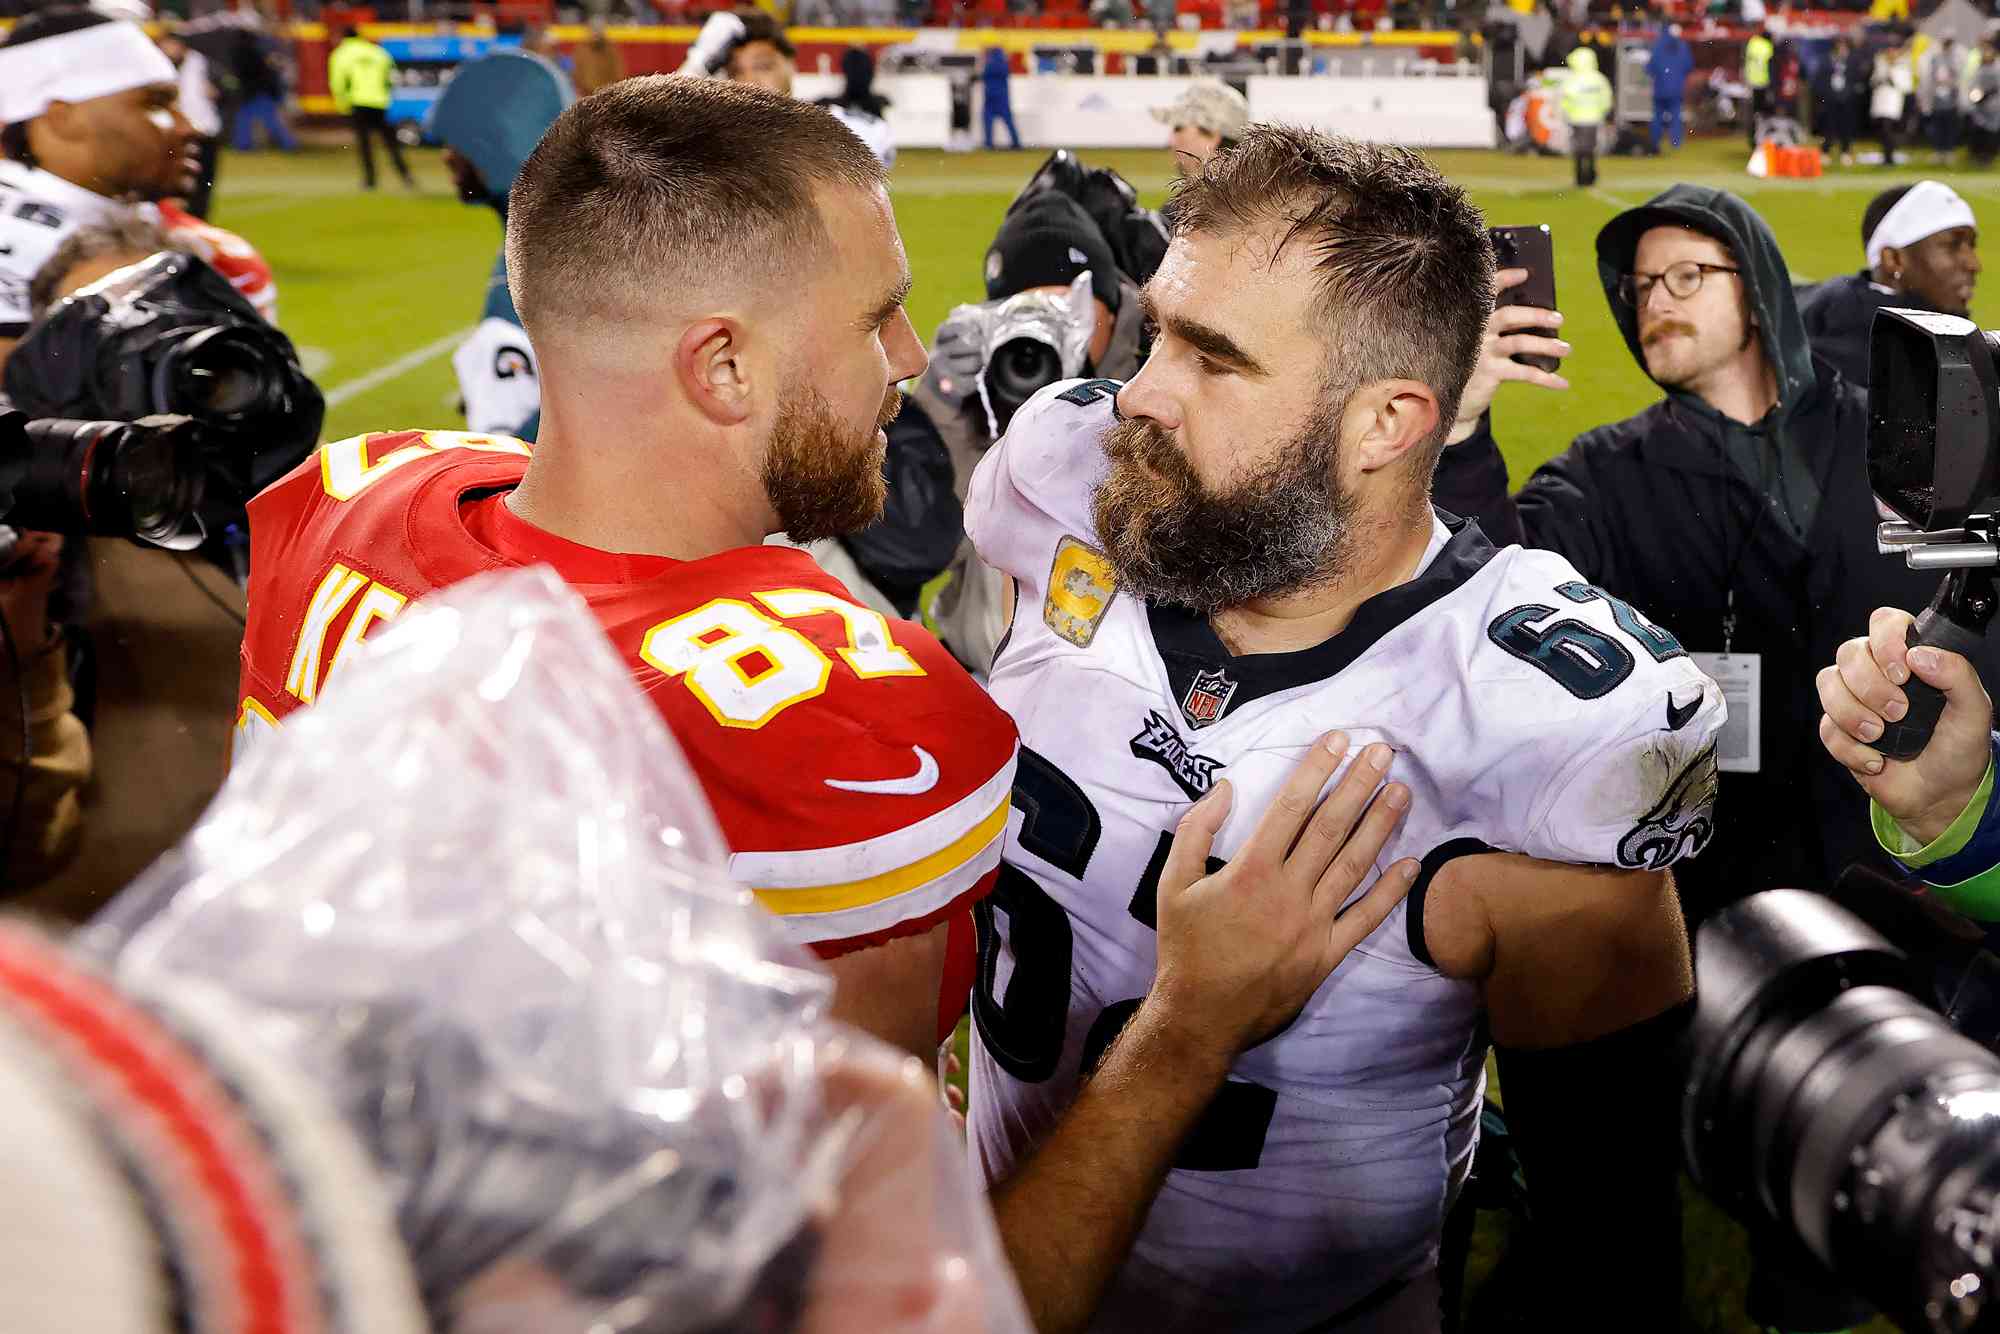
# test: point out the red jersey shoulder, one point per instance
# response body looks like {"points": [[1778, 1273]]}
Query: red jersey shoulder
{"points": [[815, 720]]}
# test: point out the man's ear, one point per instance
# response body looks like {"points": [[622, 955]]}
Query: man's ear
{"points": [[1388, 419], [710, 365]]}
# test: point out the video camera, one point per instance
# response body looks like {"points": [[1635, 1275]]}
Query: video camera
{"points": [[1006, 351], [1934, 463], [152, 405]]}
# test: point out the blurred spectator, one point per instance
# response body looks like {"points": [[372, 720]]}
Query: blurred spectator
{"points": [[598, 61], [1921, 246], [1758, 53], [1940, 84], [1208, 117], [1982, 95], [1888, 102], [1586, 105], [1840, 99], [490, 117], [1671, 63], [1889, 11], [762, 56], [860, 108], [260, 90], [360, 76], [198, 94], [996, 79], [1243, 14]]}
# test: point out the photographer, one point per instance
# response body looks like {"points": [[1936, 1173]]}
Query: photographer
{"points": [[1044, 249], [1735, 512], [90, 132], [49, 760]]}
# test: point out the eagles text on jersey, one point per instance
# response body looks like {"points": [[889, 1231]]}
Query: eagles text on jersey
{"points": [[1530, 712]]}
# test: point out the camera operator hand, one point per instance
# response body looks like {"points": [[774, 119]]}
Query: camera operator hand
{"points": [[1496, 358], [1861, 690], [24, 589]]}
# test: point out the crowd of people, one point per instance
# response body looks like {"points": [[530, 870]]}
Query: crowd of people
{"points": [[1214, 721]]}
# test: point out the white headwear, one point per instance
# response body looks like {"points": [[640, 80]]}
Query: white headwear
{"points": [[92, 62], [1928, 208]]}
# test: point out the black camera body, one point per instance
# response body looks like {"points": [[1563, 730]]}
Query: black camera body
{"points": [[152, 404]]}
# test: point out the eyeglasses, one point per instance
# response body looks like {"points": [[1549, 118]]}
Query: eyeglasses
{"points": [[1683, 281]]}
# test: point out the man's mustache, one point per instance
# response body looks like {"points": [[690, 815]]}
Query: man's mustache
{"points": [[1663, 328], [892, 404]]}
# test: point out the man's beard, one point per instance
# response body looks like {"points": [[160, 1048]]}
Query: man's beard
{"points": [[1287, 527], [823, 477]]}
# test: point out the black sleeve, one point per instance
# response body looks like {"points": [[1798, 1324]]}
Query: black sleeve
{"points": [[922, 522], [1596, 1126], [1471, 482], [1564, 509]]}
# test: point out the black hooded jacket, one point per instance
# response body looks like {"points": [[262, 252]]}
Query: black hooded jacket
{"points": [[1840, 315], [1656, 510]]}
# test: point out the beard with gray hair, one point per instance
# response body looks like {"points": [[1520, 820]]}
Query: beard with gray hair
{"points": [[1286, 527]]}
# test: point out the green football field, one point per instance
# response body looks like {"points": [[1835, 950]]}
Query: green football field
{"points": [[378, 288]]}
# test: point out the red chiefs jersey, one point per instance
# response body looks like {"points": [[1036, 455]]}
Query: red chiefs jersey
{"points": [[859, 775]]}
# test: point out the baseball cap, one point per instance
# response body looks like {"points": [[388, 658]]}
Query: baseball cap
{"points": [[1211, 105]]}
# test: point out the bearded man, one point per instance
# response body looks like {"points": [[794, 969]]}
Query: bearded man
{"points": [[1215, 565], [714, 285]]}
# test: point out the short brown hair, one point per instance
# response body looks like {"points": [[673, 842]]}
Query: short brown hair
{"points": [[662, 182], [1405, 268]]}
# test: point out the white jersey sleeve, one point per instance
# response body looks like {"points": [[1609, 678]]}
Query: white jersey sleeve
{"points": [[496, 376], [1634, 719], [30, 231], [1033, 488]]}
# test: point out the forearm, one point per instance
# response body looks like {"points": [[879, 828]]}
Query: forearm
{"points": [[58, 763], [1069, 1214], [1471, 481], [1962, 863]]}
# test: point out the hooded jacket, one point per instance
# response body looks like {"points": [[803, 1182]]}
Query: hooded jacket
{"points": [[493, 113], [1661, 509], [1586, 93], [1840, 315]]}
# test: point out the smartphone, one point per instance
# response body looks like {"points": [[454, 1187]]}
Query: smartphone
{"points": [[1533, 249]]}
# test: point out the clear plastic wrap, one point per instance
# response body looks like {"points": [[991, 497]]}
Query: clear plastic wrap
{"points": [[476, 897]]}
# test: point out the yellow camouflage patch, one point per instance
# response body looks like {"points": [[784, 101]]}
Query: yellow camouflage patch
{"points": [[1081, 588]]}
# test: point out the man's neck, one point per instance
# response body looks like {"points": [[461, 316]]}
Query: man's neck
{"points": [[1389, 556], [613, 505], [1745, 390]]}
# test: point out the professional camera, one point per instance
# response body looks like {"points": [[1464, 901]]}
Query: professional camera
{"points": [[1933, 428], [1826, 1097], [1007, 351], [142, 479], [1138, 236], [167, 337]]}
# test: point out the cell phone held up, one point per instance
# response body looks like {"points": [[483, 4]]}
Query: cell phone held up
{"points": [[1533, 249]]}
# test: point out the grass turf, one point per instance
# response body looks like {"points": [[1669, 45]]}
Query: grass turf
{"points": [[376, 287]]}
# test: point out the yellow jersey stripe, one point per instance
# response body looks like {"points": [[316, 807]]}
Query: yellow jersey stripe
{"points": [[875, 889]]}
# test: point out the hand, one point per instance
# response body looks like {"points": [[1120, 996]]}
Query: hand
{"points": [[1241, 951], [1496, 355], [705, 56], [958, 353], [1860, 691]]}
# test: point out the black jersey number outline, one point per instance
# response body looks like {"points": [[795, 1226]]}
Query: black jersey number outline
{"points": [[1657, 640], [1023, 1029]]}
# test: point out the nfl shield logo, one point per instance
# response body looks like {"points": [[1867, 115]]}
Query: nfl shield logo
{"points": [[1207, 698]]}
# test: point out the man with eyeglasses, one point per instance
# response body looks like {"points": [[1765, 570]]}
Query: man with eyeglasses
{"points": [[1735, 512]]}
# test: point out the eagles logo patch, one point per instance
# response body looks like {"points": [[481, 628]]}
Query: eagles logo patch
{"points": [[1159, 742], [1680, 823], [1081, 589]]}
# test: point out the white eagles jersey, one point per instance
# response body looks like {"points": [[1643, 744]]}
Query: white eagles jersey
{"points": [[38, 211], [1530, 713]]}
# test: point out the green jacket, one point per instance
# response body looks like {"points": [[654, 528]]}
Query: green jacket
{"points": [[1757, 53], [1586, 93], [358, 74]]}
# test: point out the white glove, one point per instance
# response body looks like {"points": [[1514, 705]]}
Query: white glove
{"points": [[721, 31]]}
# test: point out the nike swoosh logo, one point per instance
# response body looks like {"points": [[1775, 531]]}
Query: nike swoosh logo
{"points": [[1680, 715], [918, 783]]}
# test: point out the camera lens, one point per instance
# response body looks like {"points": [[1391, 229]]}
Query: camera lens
{"points": [[1020, 369], [221, 374]]}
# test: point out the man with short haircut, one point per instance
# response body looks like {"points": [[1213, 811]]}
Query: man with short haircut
{"points": [[1216, 565], [90, 133], [1922, 250], [761, 56]]}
